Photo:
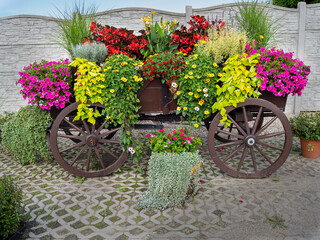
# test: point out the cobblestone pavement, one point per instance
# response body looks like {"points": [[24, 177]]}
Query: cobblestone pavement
{"points": [[285, 205]]}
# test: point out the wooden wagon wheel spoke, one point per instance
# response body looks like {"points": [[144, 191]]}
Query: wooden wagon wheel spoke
{"points": [[253, 157], [109, 132], [229, 133], [85, 126], [263, 154], [79, 147], [270, 146], [74, 126], [237, 125], [270, 135], [88, 159], [108, 151], [255, 137], [229, 144], [71, 136], [246, 120], [79, 154], [234, 153], [108, 141], [72, 147], [266, 125], [244, 154], [256, 123], [99, 157]]}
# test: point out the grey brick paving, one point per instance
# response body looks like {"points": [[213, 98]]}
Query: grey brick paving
{"points": [[284, 205]]}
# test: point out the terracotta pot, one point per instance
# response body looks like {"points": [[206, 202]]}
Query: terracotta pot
{"points": [[310, 149]]}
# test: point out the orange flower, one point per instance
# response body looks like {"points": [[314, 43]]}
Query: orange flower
{"points": [[130, 88]]}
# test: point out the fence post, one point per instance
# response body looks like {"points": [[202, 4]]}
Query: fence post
{"points": [[302, 9], [188, 13]]}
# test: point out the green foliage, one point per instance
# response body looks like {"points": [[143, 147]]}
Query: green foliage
{"points": [[171, 177], [197, 88], [159, 36], [257, 21], [93, 52], [10, 206], [176, 141], [24, 135], [222, 43], [292, 3], [74, 25], [116, 88], [237, 82], [306, 125], [5, 118]]}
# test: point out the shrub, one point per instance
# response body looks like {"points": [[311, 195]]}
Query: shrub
{"points": [[10, 206], [222, 43], [24, 135], [171, 177], [256, 20], [306, 125], [292, 3], [93, 52], [3, 119]]}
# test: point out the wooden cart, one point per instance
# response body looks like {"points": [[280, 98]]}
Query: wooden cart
{"points": [[257, 142]]}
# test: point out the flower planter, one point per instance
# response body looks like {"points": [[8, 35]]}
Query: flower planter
{"points": [[310, 149], [280, 102], [155, 98]]}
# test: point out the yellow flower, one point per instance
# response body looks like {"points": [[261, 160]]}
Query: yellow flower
{"points": [[175, 21], [117, 70], [190, 73], [261, 37], [210, 74], [196, 45], [185, 108], [112, 90], [201, 102], [153, 13], [194, 66], [178, 92], [124, 79], [186, 76], [196, 95], [208, 80], [206, 112], [203, 41], [124, 63], [187, 63], [179, 108], [198, 90], [196, 125], [190, 93], [191, 77], [214, 64]]}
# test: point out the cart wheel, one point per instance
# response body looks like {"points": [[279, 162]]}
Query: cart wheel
{"points": [[87, 151], [255, 148]]}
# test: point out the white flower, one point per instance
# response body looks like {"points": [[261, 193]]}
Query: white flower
{"points": [[173, 84], [206, 95], [197, 108]]}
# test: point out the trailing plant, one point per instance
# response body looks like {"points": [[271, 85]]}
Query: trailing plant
{"points": [[93, 52], [258, 22], [24, 135], [10, 206], [306, 126], [281, 74], [222, 43], [171, 176], [116, 88], [196, 90], [237, 82], [73, 25], [46, 84], [118, 40], [167, 65], [176, 141], [158, 35]]}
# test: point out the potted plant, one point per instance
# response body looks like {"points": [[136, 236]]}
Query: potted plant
{"points": [[174, 169], [307, 128]]}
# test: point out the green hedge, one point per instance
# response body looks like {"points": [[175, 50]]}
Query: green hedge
{"points": [[10, 207], [24, 135], [292, 3], [171, 179]]}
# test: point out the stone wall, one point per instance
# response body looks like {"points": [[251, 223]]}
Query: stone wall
{"points": [[27, 38]]}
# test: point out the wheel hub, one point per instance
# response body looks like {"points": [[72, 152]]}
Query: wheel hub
{"points": [[92, 140], [250, 141]]}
